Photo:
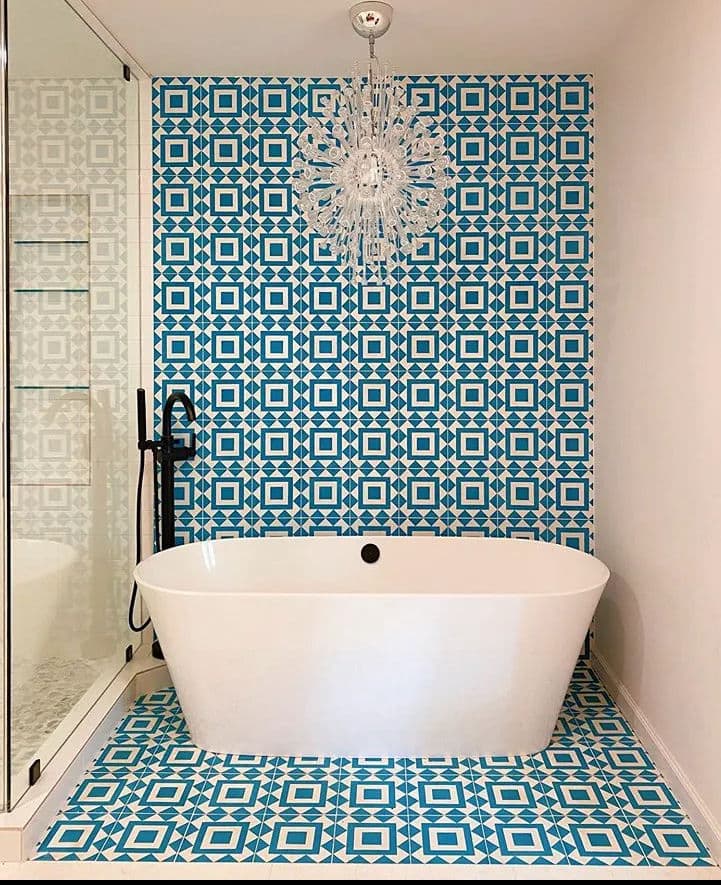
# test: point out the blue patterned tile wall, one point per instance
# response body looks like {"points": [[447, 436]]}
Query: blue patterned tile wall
{"points": [[455, 396]]}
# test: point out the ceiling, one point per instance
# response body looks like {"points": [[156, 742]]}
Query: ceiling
{"points": [[72, 50], [314, 37]]}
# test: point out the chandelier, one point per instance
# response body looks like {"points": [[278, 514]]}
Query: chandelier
{"points": [[370, 175]]}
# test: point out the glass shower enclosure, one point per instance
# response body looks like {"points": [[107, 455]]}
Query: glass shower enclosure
{"points": [[71, 280]]}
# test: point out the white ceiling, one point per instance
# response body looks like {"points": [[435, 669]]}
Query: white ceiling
{"points": [[46, 39], [314, 37]]}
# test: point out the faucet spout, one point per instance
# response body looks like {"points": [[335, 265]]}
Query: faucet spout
{"points": [[168, 455], [176, 397]]}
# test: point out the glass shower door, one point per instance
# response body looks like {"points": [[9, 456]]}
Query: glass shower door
{"points": [[72, 285]]}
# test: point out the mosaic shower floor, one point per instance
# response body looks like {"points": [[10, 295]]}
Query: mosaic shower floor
{"points": [[593, 797], [53, 687]]}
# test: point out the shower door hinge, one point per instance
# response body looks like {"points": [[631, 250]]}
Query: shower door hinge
{"points": [[126, 72], [34, 772]]}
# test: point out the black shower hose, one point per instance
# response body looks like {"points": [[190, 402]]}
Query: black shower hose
{"points": [[138, 532]]}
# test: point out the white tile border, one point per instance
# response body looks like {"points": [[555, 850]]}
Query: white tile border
{"points": [[666, 762], [21, 828]]}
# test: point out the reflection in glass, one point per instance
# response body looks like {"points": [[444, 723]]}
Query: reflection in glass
{"points": [[73, 149]]}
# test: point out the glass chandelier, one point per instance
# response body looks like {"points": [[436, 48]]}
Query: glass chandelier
{"points": [[370, 175]]}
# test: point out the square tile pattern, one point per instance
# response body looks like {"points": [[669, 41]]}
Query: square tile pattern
{"points": [[453, 396], [593, 797]]}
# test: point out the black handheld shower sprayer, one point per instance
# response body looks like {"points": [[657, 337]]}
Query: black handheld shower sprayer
{"points": [[165, 454]]}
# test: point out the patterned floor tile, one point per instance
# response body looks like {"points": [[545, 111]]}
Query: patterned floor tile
{"points": [[582, 798], [305, 793], [518, 841], [559, 763], [442, 807], [383, 840], [142, 725], [374, 792], [78, 838], [145, 837], [647, 799], [295, 841], [163, 697], [211, 840], [673, 844], [462, 842], [121, 758], [611, 843], [100, 794], [623, 761], [372, 811], [513, 798], [164, 794], [592, 798], [233, 793]]}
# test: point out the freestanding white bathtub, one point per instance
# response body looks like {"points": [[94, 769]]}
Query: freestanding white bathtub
{"points": [[443, 647]]}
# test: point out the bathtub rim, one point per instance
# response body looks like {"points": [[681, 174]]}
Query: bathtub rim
{"points": [[597, 585]]}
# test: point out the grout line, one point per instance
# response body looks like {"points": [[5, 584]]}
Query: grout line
{"points": [[552, 813], [276, 766], [336, 815], [481, 815], [407, 809]]}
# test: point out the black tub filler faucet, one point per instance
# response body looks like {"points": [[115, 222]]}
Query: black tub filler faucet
{"points": [[165, 455]]}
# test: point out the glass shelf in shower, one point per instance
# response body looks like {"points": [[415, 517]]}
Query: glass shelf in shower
{"points": [[51, 387], [59, 291], [51, 242]]}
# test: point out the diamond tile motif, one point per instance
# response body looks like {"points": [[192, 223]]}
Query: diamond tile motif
{"points": [[456, 396], [152, 795]]}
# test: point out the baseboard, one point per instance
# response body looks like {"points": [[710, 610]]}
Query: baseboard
{"points": [[699, 813], [21, 829]]}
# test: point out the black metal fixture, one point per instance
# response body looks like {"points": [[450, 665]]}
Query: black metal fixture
{"points": [[34, 773], [169, 454], [165, 454]]}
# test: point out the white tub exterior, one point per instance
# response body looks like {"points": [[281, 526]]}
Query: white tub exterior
{"points": [[444, 647]]}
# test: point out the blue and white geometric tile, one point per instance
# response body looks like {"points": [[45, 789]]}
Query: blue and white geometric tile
{"points": [[271, 333]]}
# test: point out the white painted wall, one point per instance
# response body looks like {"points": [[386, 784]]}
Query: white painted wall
{"points": [[658, 382]]}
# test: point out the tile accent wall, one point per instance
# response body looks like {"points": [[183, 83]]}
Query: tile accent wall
{"points": [[453, 397]]}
